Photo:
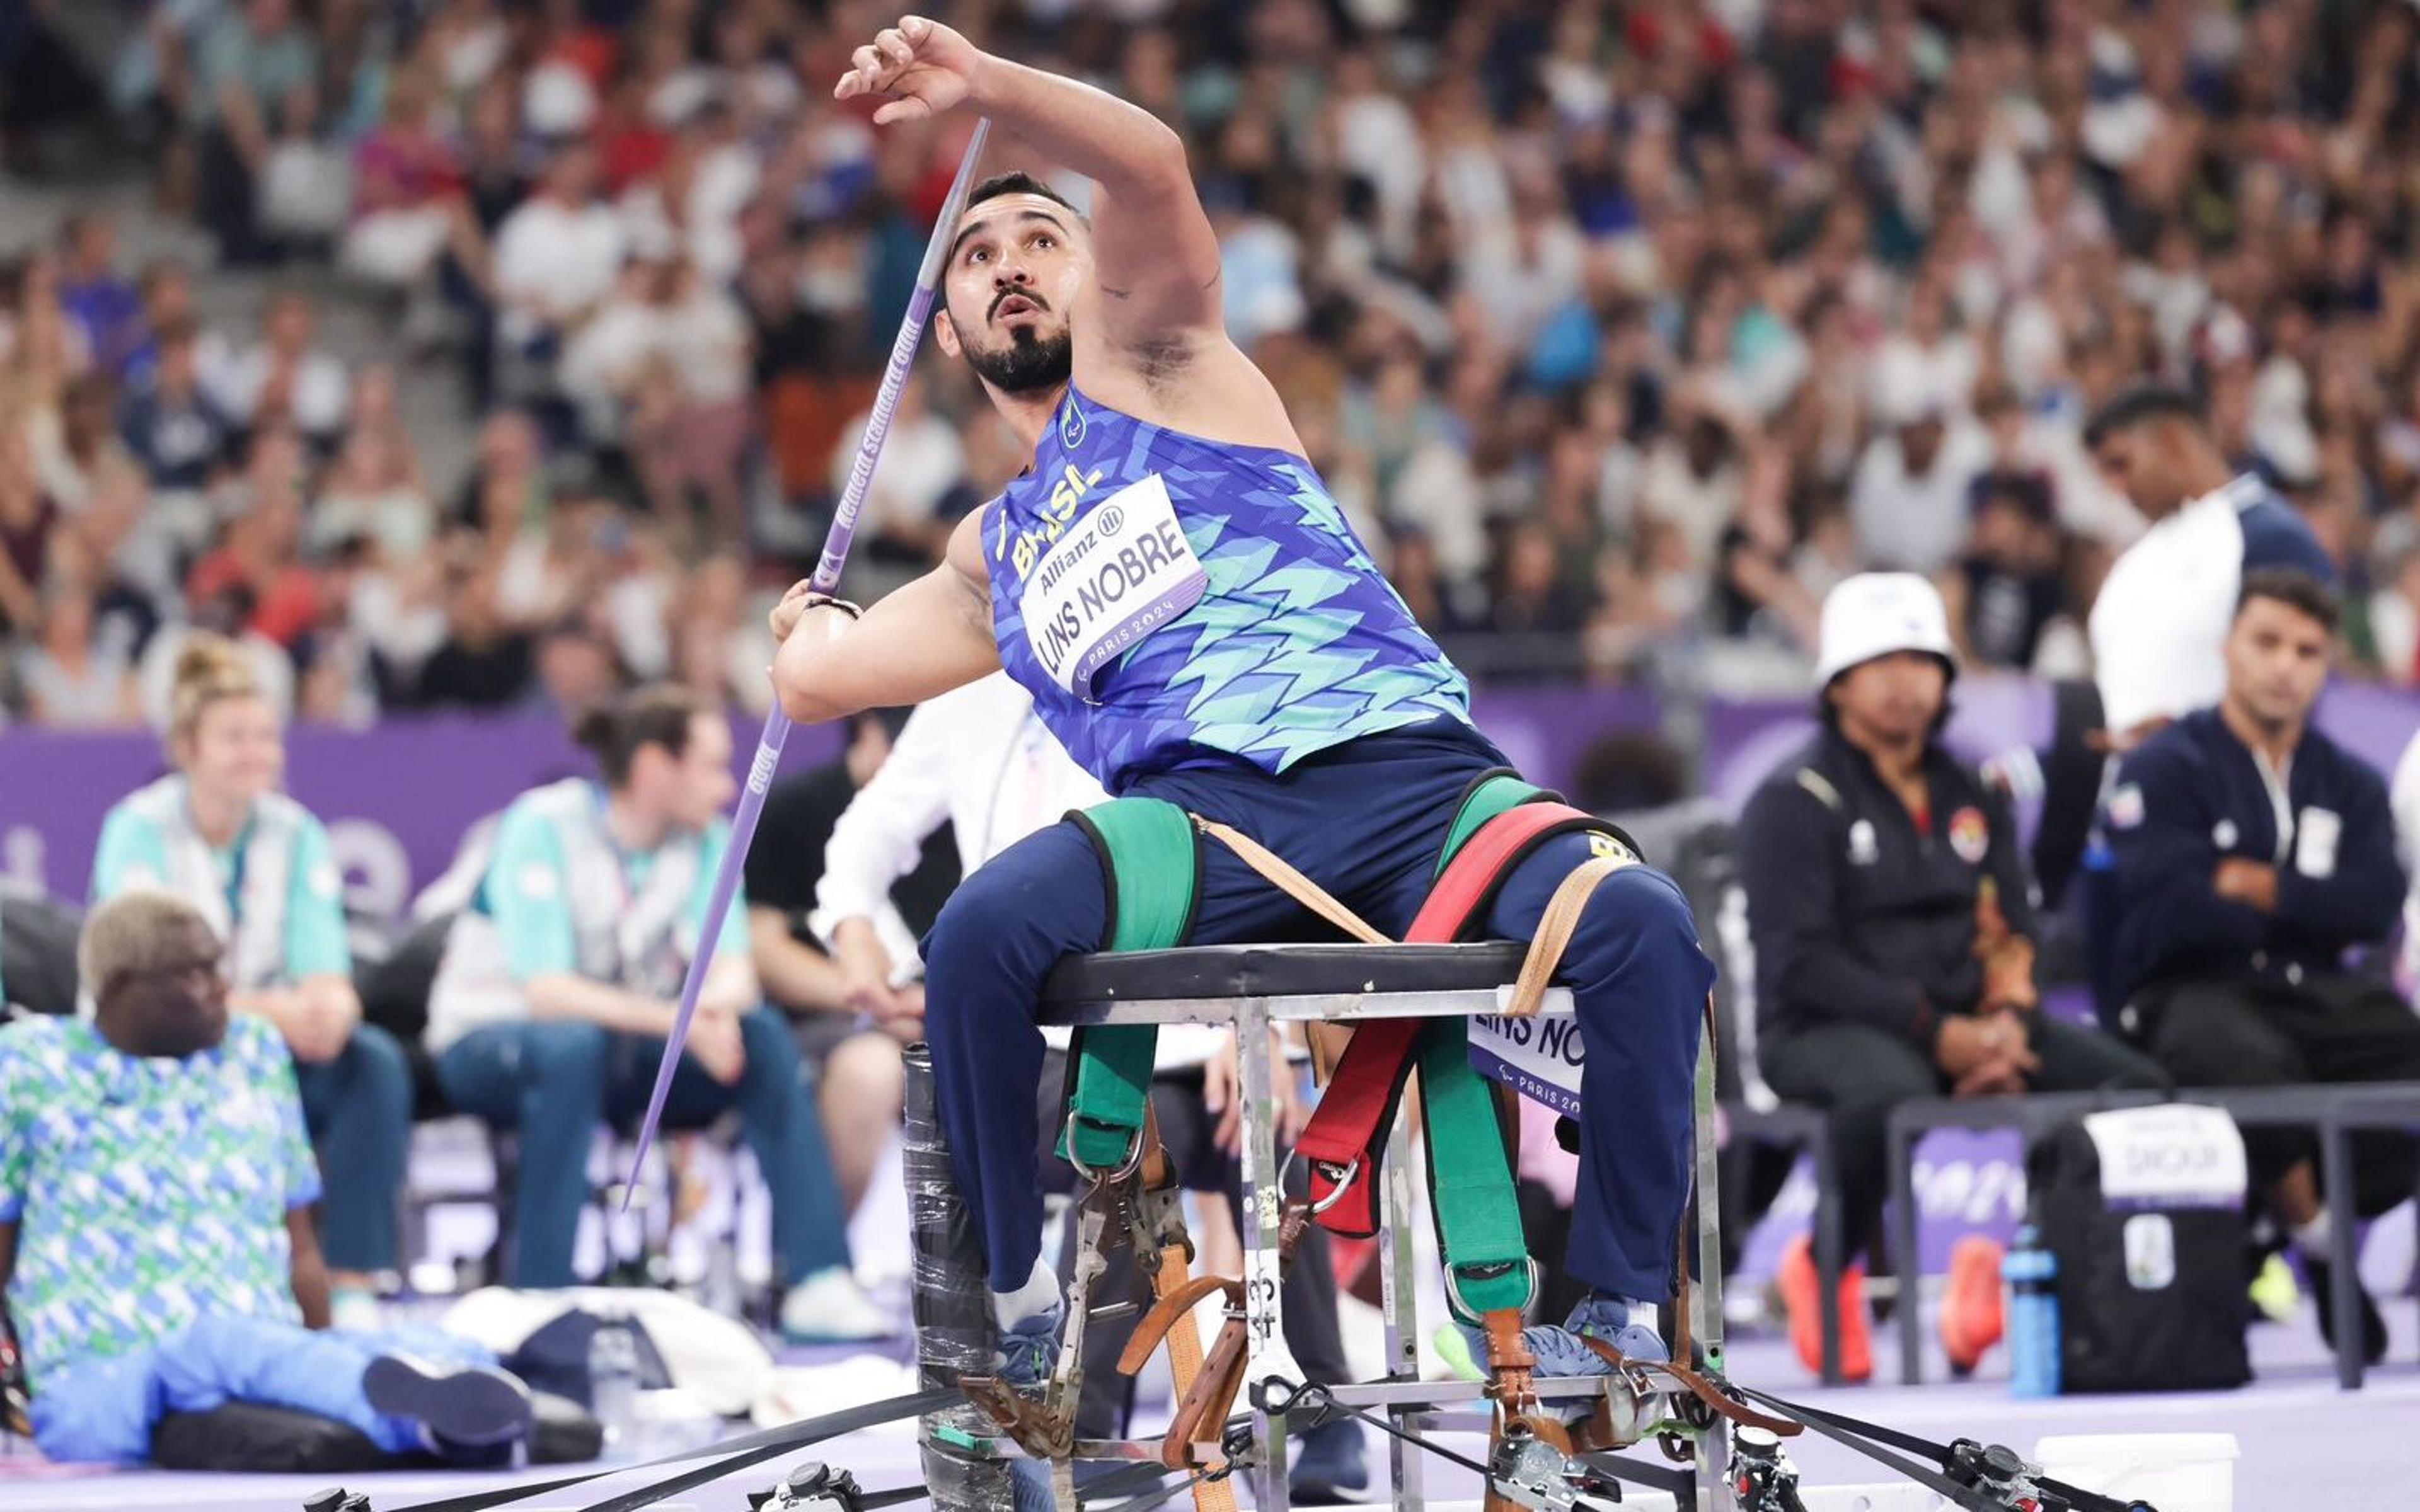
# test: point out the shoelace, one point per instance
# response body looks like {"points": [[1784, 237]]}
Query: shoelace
{"points": [[1026, 1354]]}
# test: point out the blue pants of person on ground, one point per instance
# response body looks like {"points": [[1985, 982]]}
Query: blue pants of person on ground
{"points": [[102, 1411], [555, 1080], [1367, 821], [358, 1109]]}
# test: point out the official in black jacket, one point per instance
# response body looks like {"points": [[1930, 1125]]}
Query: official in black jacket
{"points": [[1893, 921], [2251, 854]]}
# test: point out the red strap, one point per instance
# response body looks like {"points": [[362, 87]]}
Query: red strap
{"points": [[1346, 1134]]}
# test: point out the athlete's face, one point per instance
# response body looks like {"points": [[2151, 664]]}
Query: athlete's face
{"points": [[1015, 271]]}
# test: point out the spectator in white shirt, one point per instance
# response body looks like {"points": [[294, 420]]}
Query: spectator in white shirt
{"points": [[283, 374], [1908, 497], [556, 256]]}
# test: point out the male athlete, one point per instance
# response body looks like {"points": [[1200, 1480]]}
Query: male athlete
{"points": [[1196, 622]]}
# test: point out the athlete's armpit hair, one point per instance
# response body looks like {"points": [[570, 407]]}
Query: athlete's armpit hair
{"points": [[1159, 360]]}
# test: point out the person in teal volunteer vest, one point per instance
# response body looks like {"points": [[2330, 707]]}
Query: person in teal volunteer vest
{"points": [[561, 981], [218, 833]]}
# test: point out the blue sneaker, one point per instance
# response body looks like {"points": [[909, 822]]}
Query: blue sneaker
{"points": [[1563, 1353], [1031, 1479], [1331, 1466], [1027, 1350]]}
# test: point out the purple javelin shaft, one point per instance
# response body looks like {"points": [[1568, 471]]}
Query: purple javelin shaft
{"points": [[826, 579]]}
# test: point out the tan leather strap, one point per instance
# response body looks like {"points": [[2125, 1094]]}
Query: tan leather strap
{"points": [[1291, 882], [1555, 930], [1212, 1396], [1328, 1040], [1158, 1173], [1510, 1360], [1555, 927], [1174, 1305], [1696, 1385]]}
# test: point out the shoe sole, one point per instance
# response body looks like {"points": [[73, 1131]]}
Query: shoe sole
{"points": [[471, 1407], [1972, 1294], [1802, 1292]]}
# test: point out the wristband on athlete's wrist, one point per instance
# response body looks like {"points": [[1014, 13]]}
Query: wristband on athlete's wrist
{"points": [[827, 601]]}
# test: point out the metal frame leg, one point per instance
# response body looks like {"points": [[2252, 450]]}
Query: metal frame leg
{"points": [[1263, 1297], [1398, 1278], [1713, 1456], [1907, 1260], [2344, 1245], [1828, 1246]]}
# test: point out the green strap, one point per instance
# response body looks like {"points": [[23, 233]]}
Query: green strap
{"points": [[1477, 1205], [1478, 1209], [1496, 792], [1151, 855]]}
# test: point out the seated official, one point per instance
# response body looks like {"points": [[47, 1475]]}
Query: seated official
{"points": [[1894, 924], [155, 1239], [2251, 854], [850, 1030], [256, 864], [561, 982]]}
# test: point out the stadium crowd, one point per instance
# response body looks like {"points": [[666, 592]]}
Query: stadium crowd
{"points": [[1624, 328], [1627, 333]]}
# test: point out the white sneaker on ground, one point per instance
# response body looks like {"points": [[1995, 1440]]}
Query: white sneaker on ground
{"points": [[830, 1307]]}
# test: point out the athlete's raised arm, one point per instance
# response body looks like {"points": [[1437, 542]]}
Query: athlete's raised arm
{"points": [[1155, 255]]}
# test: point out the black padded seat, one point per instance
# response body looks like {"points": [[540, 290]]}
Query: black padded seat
{"points": [[1281, 971]]}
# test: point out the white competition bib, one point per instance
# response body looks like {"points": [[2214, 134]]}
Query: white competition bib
{"points": [[1124, 570], [1542, 1058]]}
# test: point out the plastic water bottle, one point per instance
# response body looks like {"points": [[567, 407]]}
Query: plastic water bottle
{"points": [[2031, 1273], [614, 1383]]}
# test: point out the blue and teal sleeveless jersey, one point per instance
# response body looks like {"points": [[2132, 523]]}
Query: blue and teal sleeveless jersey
{"points": [[1166, 597]]}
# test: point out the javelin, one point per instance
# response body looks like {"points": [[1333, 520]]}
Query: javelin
{"points": [[826, 579]]}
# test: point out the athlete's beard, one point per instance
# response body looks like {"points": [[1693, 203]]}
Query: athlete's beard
{"points": [[1027, 363]]}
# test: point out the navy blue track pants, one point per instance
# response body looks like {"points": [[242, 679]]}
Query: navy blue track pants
{"points": [[1365, 821]]}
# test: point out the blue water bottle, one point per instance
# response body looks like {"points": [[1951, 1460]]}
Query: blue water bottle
{"points": [[2031, 1274]]}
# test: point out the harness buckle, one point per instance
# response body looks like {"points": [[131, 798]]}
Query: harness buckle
{"points": [[1465, 1311], [1344, 1176], [1125, 1167]]}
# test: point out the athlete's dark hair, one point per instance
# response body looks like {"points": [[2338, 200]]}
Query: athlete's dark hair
{"points": [[1017, 183], [2296, 590], [2140, 406]]}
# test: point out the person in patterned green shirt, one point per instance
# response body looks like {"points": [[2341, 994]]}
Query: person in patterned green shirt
{"points": [[155, 1243]]}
